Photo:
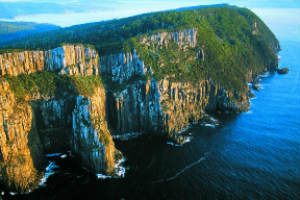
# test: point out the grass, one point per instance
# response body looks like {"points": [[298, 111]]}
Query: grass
{"points": [[52, 85]]}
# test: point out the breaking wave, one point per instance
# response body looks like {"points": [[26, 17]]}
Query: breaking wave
{"points": [[119, 171]]}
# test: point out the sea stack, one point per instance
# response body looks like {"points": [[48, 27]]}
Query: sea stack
{"points": [[283, 71]]}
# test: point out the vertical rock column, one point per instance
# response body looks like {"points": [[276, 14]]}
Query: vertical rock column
{"points": [[20, 151], [92, 140], [67, 59]]}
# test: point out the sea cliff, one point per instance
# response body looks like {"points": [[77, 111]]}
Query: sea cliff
{"points": [[67, 59], [77, 97]]}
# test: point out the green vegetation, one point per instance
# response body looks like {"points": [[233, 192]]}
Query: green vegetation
{"points": [[234, 40], [108, 36], [52, 85], [11, 50], [225, 35], [85, 85]]}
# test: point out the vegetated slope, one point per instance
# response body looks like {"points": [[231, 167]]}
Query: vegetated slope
{"points": [[14, 31], [235, 42]]}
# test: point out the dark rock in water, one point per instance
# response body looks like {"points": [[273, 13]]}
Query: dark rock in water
{"points": [[255, 87], [283, 71], [255, 82]]}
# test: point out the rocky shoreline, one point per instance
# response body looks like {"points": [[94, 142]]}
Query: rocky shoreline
{"points": [[86, 120]]}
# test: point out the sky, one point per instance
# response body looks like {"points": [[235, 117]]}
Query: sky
{"points": [[282, 16]]}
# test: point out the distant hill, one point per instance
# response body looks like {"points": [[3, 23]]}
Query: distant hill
{"points": [[204, 6], [10, 31], [108, 36]]}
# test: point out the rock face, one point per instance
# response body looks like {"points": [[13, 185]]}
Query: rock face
{"points": [[168, 107], [21, 153], [122, 67], [184, 38], [92, 139], [131, 101], [28, 129], [135, 108], [67, 59], [54, 123], [162, 106]]}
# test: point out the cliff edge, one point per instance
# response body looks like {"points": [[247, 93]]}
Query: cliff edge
{"points": [[154, 73]]}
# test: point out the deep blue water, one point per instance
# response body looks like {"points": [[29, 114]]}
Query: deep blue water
{"points": [[255, 155]]}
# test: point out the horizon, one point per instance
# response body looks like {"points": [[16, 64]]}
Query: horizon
{"points": [[281, 16]]}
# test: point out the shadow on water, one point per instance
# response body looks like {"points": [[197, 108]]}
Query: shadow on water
{"points": [[154, 169]]}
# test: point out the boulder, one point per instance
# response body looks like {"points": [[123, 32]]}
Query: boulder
{"points": [[283, 71]]}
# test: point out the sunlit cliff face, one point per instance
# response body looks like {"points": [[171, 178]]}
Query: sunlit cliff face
{"points": [[21, 152], [19, 143], [67, 59]]}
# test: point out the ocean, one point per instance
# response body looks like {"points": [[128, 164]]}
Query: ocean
{"points": [[254, 155]]}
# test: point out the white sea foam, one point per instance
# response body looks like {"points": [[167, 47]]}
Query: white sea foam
{"points": [[102, 176], [180, 172], [126, 136], [210, 125], [173, 144], [185, 129], [209, 122], [214, 119], [49, 171], [266, 74], [119, 171], [187, 139], [63, 156]]}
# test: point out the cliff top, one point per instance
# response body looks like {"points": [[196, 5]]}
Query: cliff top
{"points": [[108, 36], [234, 40]]}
